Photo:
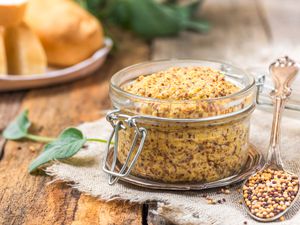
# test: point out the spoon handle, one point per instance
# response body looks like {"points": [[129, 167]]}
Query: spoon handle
{"points": [[283, 73]]}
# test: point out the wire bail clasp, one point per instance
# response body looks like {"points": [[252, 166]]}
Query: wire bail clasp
{"points": [[118, 122]]}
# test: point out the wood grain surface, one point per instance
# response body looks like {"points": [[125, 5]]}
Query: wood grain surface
{"points": [[27, 199], [240, 29]]}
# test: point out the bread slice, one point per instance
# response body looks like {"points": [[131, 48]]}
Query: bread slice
{"points": [[3, 67], [68, 33], [25, 54], [12, 12]]}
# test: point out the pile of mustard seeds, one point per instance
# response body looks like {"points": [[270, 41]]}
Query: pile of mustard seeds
{"points": [[270, 192]]}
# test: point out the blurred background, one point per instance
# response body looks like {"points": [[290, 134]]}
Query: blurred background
{"points": [[248, 33]]}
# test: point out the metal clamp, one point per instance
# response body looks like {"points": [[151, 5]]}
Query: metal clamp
{"points": [[117, 121]]}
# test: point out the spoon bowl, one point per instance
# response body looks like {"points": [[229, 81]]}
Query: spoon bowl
{"points": [[277, 216]]}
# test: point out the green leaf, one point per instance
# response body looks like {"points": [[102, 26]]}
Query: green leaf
{"points": [[18, 128], [148, 18], [69, 142], [151, 19], [119, 13]]}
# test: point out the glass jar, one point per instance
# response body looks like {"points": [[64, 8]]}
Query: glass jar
{"points": [[180, 140]]}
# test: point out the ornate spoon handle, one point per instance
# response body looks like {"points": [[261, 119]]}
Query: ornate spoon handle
{"points": [[283, 72]]}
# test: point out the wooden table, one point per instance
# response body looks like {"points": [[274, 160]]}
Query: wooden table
{"points": [[240, 29]]}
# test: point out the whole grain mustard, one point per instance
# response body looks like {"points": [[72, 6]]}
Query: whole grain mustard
{"points": [[187, 152], [183, 83]]}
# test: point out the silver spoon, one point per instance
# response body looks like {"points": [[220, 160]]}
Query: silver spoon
{"points": [[283, 72]]}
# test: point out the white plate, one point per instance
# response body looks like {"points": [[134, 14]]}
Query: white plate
{"points": [[57, 75]]}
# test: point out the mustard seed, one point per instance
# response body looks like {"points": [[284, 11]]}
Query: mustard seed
{"points": [[227, 191], [282, 218], [210, 201], [32, 148]]}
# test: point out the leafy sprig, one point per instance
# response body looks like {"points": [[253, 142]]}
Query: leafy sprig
{"points": [[67, 144], [148, 18]]}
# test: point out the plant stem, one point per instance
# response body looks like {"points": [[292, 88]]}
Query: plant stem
{"points": [[49, 139], [196, 25], [39, 138], [96, 140]]}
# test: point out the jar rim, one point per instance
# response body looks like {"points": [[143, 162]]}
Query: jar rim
{"points": [[115, 87]]}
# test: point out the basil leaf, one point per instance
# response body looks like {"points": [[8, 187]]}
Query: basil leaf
{"points": [[18, 128], [69, 142]]}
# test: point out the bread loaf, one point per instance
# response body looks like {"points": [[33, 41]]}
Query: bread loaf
{"points": [[12, 12], [3, 68], [25, 54], [68, 33]]}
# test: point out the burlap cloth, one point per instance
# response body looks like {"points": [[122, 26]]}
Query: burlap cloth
{"points": [[85, 173]]}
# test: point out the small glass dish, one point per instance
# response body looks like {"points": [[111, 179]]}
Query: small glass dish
{"points": [[180, 141]]}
